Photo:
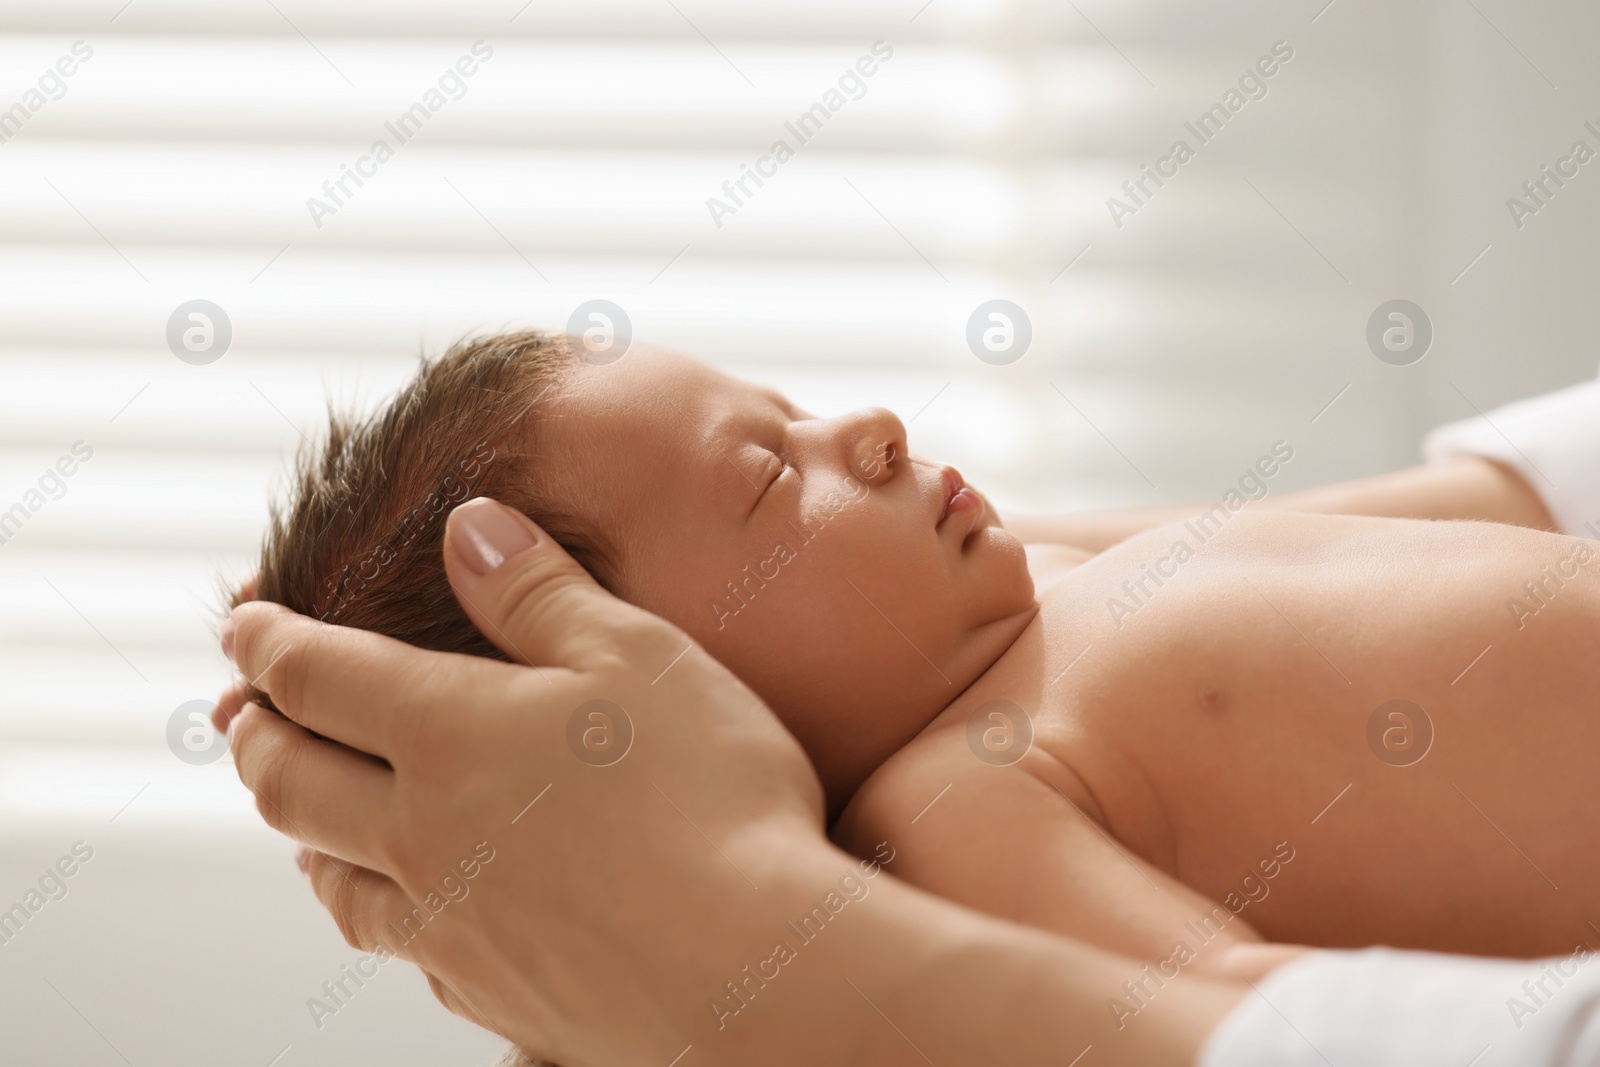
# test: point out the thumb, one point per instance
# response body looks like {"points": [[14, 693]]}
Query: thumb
{"points": [[533, 600]]}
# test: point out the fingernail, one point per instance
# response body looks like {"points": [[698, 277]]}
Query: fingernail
{"points": [[302, 858], [487, 534], [227, 638]]}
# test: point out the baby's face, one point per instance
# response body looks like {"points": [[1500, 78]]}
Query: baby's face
{"points": [[856, 588]]}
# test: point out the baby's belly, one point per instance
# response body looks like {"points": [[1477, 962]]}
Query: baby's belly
{"points": [[1361, 693]]}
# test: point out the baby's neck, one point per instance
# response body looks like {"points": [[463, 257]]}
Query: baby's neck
{"points": [[986, 649], [1048, 565]]}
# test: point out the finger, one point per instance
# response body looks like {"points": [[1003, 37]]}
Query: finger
{"points": [[451, 996], [229, 704], [375, 915], [533, 600], [329, 796], [370, 910], [351, 685]]}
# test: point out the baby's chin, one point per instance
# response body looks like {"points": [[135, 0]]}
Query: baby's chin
{"points": [[1006, 572]]}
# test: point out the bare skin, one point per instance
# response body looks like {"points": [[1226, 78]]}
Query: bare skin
{"points": [[652, 914], [1213, 731], [1232, 711]]}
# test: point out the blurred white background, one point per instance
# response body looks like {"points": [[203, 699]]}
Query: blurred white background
{"points": [[176, 162]]}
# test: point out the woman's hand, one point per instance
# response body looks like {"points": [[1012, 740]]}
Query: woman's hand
{"points": [[562, 870], [620, 884]]}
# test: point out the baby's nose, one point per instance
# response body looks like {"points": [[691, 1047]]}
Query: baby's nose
{"points": [[873, 462], [879, 441]]}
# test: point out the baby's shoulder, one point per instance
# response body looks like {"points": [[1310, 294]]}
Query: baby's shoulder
{"points": [[900, 790], [950, 764]]}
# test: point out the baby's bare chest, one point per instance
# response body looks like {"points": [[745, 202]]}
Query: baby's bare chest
{"points": [[1387, 714]]}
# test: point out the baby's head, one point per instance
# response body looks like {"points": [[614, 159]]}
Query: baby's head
{"points": [[816, 558]]}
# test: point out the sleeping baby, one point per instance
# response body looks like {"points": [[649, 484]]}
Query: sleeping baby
{"points": [[1219, 738]]}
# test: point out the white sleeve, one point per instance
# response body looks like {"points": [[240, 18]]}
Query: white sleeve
{"points": [[1553, 441], [1382, 1007]]}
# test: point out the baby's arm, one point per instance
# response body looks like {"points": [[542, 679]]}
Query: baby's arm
{"points": [[1467, 487], [1005, 841], [1533, 462]]}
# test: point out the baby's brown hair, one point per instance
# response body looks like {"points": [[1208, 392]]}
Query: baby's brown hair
{"points": [[358, 539]]}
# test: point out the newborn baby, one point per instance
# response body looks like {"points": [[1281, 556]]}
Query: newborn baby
{"points": [[1269, 736]]}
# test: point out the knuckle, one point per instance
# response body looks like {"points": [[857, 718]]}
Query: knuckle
{"points": [[257, 634], [270, 813], [534, 592], [242, 743], [638, 644], [627, 637], [344, 907], [647, 633], [614, 662], [401, 858], [286, 679], [272, 787]]}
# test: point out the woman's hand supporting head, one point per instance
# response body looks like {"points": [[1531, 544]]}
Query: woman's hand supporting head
{"points": [[504, 772], [588, 849]]}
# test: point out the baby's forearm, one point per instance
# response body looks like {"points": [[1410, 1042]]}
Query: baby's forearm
{"points": [[1464, 488], [1467, 488]]}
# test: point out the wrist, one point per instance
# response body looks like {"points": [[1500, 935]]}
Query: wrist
{"points": [[839, 962]]}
